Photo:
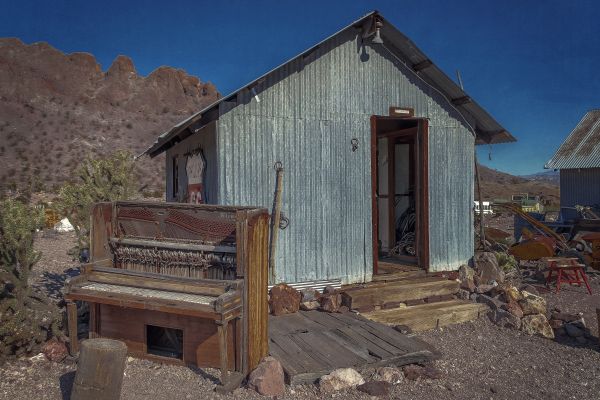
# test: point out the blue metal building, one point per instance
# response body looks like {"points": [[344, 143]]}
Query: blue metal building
{"points": [[359, 114]]}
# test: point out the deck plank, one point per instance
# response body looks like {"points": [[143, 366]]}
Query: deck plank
{"points": [[312, 344]]}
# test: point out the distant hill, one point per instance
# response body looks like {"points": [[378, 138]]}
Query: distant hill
{"points": [[545, 176], [57, 108], [500, 185]]}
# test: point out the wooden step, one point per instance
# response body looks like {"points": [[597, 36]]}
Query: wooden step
{"points": [[430, 316], [378, 294]]}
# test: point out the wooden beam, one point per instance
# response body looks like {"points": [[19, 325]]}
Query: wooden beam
{"points": [[459, 101], [422, 65]]}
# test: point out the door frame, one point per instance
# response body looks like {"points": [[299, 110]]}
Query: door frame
{"points": [[422, 190]]}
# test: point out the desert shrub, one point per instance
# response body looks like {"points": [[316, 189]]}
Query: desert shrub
{"points": [[98, 179], [506, 261]]}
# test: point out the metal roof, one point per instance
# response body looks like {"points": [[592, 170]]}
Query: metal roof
{"points": [[486, 128], [581, 149]]}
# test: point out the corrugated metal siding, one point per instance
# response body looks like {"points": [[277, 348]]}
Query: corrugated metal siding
{"points": [[579, 187], [451, 169], [307, 115]]}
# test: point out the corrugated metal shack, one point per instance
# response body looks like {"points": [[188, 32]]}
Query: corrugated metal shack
{"points": [[578, 159], [349, 119]]}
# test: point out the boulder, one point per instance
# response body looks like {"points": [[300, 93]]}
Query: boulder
{"points": [[532, 289], [413, 372], [331, 302], [566, 317], [573, 331], [390, 374], [556, 323], [514, 308], [492, 303], [532, 304], [463, 294], [466, 276], [404, 329], [339, 379], [505, 319], [487, 268], [511, 293], [267, 379], [537, 324], [284, 299], [375, 388], [55, 350], [484, 288], [310, 299]]}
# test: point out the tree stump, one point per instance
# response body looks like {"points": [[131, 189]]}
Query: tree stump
{"points": [[100, 370]]}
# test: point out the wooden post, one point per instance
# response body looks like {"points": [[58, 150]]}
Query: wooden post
{"points": [[100, 370], [276, 217], [72, 325], [222, 332]]}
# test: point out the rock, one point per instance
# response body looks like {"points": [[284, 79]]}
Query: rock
{"points": [[331, 302], [537, 324], [329, 290], [474, 296], [339, 379], [38, 358], [493, 304], [512, 293], [532, 304], [483, 288], [514, 308], [505, 319], [390, 374], [414, 372], [309, 295], [581, 340], [375, 388], [573, 330], [267, 379], [466, 277], [463, 294], [531, 289], [487, 268], [55, 350], [284, 299], [561, 331], [556, 323], [310, 305], [566, 317], [404, 329], [345, 309]]}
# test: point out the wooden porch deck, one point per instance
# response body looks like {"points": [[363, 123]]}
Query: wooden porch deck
{"points": [[310, 344]]}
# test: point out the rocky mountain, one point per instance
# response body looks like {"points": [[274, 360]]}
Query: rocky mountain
{"points": [[56, 109], [545, 176], [500, 185]]}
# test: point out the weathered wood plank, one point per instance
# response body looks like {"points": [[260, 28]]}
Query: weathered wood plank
{"points": [[400, 291], [430, 316]]}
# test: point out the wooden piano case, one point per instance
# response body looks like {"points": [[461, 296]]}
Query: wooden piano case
{"points": [[179, 267]]}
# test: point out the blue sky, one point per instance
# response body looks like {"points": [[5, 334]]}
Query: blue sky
{"points": [[533, 65]]}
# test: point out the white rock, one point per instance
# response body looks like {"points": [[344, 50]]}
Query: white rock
{"points": [[63, 226], [339, 379]]}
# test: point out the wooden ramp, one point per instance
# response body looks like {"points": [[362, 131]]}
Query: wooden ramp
{"points": [[310, 344], [430, 316]]}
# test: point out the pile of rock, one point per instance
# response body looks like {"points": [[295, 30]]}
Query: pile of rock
{"points": [[284, 299], [569, 326], [510, 307]]}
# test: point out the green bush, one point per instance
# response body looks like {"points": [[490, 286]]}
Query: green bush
{"points": [[506, 261], [98, 179], [18, 223]]}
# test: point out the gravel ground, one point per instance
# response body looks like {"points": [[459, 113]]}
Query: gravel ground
{"points": [[479, 360]]}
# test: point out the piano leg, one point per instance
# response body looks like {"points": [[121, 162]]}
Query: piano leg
{"points": [[72, 322], [222, 331]]}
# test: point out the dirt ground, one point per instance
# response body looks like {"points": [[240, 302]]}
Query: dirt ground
{"points": [[479, 360]]}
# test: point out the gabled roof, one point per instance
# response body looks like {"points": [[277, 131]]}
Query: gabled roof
{"points": [[486, 129], [581, 149]]}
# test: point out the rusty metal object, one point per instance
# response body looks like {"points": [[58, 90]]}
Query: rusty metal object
{"points": [[533, 249]]}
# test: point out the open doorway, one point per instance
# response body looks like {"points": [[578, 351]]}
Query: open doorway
{"points": [[400, 202]]}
